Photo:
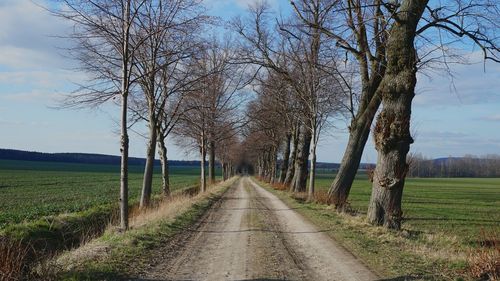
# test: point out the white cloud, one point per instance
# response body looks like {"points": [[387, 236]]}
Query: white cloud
{"points": [[28, 35]]}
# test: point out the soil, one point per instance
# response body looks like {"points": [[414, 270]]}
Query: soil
{"points": [[250, 234]]}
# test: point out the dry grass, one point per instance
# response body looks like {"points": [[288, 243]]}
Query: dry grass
{"points": [[13, 259], [484, 263], [280, 186], [299, 196], [168, 208], [321, 197]]}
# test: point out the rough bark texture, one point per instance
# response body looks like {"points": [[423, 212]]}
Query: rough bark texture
{"points": [[358, 136], [162, 149], [286, 158], [392, 130], [293, 157], [211, 162], [300, 176], [148, 168]]}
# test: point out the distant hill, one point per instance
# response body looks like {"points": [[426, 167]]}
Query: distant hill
{"points": [[83, 158]]}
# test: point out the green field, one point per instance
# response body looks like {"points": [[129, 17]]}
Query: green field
{"points": [[30, 190], [458, 206]]}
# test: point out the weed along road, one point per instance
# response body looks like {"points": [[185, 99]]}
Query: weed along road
{"points": [[252, 235]]}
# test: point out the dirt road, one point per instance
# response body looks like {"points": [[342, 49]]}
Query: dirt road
{"points": [[252, 235]]}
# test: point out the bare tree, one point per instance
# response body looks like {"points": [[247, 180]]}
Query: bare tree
{"points": [[382, 36], [103, 32], [167, 30], [397, 89], [359, 29], [296, 53], [211, 113], [228, 150], [266, 127]]}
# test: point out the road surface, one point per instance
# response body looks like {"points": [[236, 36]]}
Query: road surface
{"points": [[250, 234]]}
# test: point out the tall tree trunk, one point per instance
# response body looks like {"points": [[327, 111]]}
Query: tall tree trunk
{"points": [[211, 162], [358, 136], [124, 143], [274, 160], [286, 158], [124, 167], [225, 169], [392, 130], [162, 149], [300, 176], [293, 157], [266, 166], [203, 178], [312, 170], [149, 167]]}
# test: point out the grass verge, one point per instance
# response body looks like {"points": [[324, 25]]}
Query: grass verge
{"points": [[116, 255], [44, 237], [397, 255]]}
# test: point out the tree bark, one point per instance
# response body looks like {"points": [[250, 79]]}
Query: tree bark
{"points": [[149, 167], [286, 158], [162, 149], [312, 170], [203, 178], [293, 157], [211, 162], [124, 167], [274, 158], [358, 136], [392, 130], [124, 144], [300, 176], [225, 168]]}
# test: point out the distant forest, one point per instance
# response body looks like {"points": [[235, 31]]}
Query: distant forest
{"points": [[467, 166], [83, 158]]}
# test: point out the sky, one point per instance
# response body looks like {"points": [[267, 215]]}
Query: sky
{"points": [[448, 118]]}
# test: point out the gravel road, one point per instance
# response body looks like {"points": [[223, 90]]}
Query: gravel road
{"points": [[250, 234]]}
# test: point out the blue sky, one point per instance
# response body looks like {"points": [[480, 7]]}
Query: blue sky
{"points": [[34, 74]]}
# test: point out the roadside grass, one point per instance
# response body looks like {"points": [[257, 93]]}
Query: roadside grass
{"points": [[443, 231], [117, 255], [455, 206]]}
